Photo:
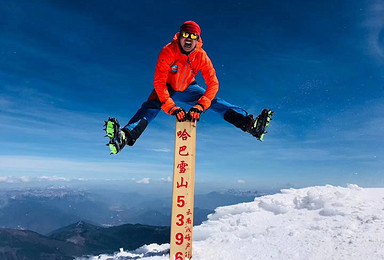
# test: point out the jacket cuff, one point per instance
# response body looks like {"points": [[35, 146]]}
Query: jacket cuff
{"points": [[206, 102], [167, 105]]}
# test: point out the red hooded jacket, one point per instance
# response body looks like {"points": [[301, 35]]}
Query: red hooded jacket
{"points": [[179, 70]]}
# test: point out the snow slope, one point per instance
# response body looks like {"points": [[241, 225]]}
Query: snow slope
{"points": [[324, 222]]}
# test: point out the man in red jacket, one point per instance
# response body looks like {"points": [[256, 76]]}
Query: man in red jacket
{"points": [[176, 68]]}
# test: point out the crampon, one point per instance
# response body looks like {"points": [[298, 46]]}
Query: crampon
{"points": [[117, 139], [258, 126]]}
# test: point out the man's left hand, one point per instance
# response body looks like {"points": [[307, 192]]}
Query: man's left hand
{"points": [[195, 111]]}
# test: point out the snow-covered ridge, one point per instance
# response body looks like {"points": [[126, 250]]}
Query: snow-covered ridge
{"points": [[323, 222]]}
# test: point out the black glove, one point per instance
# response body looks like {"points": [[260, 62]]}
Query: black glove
{"points": [[195, 111], [178, 112]]}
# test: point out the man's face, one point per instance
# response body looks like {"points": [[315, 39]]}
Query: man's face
{"points": [[187, 44]]}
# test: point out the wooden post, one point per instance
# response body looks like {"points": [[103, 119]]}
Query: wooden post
{"points": [[183, 191]]}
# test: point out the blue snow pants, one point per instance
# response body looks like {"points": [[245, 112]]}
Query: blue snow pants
{"points": [[150, 108]]}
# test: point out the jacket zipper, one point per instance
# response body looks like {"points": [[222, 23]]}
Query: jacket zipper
{"points": [[178, 75], [185, 72]]}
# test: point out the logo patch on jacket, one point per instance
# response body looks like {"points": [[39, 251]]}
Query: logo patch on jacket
{"points": [[174, 68]]}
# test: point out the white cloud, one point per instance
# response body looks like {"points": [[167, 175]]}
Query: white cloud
{"points": [[162, 150], [53, 178], [143, 181], [25, 179], [241, 181], [167, 180], [11, 179]]}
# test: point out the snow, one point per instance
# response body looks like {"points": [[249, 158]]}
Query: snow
{"points": [[322, 222]]}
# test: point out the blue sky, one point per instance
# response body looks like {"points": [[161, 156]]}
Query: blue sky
{"points": [[65, 66]]}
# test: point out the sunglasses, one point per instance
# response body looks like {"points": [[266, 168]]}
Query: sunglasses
{"points": [[190, 35]]}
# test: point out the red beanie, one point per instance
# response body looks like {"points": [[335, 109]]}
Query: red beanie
{"points": [[190, 27]]}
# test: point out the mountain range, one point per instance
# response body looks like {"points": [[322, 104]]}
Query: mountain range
{"points": [[46, 209], [77, 240], [37, 223]]}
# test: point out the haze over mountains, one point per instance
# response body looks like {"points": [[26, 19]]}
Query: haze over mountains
{"points": [[44, 209], [63, 221]]}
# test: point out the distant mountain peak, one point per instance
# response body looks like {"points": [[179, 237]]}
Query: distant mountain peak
{"points": [[80, 223]]}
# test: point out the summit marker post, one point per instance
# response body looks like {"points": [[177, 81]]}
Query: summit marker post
{"points": [[183, 191]]}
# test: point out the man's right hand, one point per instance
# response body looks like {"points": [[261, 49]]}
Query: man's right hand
{"points": [[179, 113]]}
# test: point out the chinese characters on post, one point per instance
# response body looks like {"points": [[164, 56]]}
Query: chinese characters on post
{"points": [[183, 191]]}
